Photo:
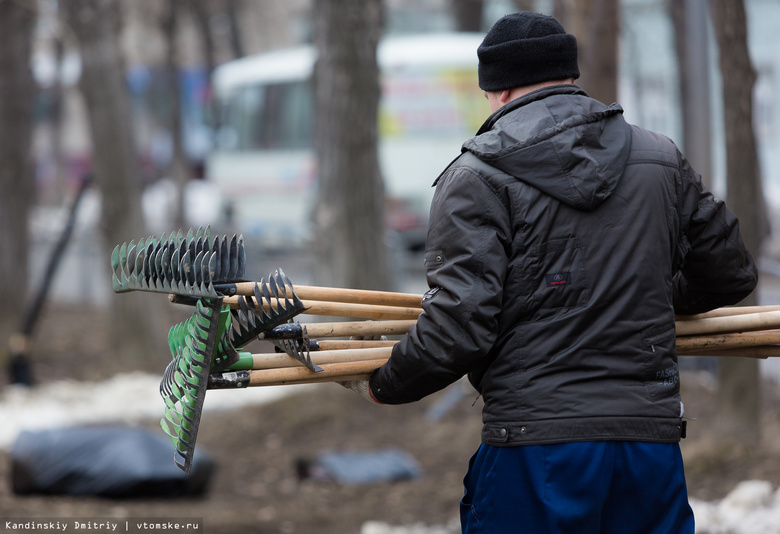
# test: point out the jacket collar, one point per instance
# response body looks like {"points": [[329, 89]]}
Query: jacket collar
{"points": [[533, 96]]}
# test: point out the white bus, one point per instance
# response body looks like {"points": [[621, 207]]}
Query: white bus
{"points": [[263, 164]]}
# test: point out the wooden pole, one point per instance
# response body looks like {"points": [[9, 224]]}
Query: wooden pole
{"points": [[343, 309], [359, 370], [337, 294], [703, 344], [356, 328], [728, 324], [280, 360], [729, 310]]}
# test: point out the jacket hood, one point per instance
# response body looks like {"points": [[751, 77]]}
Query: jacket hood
{"points": [[560, 141]]}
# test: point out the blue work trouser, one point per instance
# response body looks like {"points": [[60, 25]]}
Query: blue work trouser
{"points": [[609, 487]]}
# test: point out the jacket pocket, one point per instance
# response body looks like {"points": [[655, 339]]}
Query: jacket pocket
{"points": [[559, 274]]}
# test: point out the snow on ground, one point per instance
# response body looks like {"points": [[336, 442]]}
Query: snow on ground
{"points": [[125, 398], [753, 507]]}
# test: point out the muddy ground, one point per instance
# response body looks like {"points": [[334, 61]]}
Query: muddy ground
{"points": [[256, 488]]}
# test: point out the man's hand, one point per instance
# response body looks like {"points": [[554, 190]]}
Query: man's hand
{"points": [[360, 387]]}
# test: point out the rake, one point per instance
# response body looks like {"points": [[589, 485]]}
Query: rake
{"points": [[207, 272]]}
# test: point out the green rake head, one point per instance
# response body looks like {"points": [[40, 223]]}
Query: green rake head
{"points": [[187, 379], [206, 343], [187, 265]]}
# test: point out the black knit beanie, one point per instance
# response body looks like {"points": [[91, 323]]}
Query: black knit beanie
{"points": [[523, 49]]}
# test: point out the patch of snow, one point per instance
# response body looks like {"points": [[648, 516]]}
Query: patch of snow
{"points": [[377, 527], [752, 507], [126, 398]]}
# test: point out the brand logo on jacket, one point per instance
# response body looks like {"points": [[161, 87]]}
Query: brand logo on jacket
{"points": [[557, 279]]}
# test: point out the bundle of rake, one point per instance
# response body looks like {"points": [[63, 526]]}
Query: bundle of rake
{"points": [[208, 272]]}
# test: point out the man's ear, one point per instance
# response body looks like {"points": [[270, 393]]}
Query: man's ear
{"points": [[504, 98]]}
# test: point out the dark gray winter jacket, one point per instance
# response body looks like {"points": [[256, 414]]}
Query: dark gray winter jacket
{"points": [[561, 243]]}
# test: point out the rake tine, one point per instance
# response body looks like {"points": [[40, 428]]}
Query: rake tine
{"points": [[233, 257], [166, 383], [205, 268], [259, 296], [129, 263], [150, 276], [196, 247], [159, 253], [204, 233], [166, 273], [241, 260], [173, 273], [136, 271], [118, 277], [176, 260], [299, 351], [270, 290], [188, 277], [212, 267], [287, 283], [151, 267], [244, 324], [138, 264], [143, 251], [224, 264], [197, 268]]}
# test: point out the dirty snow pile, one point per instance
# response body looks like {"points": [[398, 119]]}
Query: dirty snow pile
{"points": [[752, 507], [126, 398]]}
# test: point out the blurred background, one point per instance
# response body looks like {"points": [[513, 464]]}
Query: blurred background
{"points": [[315, 128]]}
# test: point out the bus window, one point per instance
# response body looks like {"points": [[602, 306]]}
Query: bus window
{"points": [[266, 117]]}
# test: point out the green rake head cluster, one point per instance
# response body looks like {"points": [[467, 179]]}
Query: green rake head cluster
{"points": [[187, 265], [203, 269]]}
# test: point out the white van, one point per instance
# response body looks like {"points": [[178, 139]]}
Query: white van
{"points": [[264, 166]]}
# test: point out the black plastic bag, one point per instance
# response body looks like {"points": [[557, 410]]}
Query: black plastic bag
{"points": [[349, 468], [107, 461]]}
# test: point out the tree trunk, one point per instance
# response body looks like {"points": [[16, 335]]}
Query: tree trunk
{"points": [[178, 168], [236, 40], [690, 20], [137, 332], [596, 24], [738, 379], [17, 92], [467, 14], [349, 214], [202, 17]]}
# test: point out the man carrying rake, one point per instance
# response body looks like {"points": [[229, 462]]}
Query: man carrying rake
{"points": [[562, 242]]}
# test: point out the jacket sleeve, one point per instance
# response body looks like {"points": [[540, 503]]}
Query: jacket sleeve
{"points": [[465, 264], [716, 268]]}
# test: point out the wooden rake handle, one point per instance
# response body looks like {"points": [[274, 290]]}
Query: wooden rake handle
{"points": [[356, 328], [753, 351], [345, 309], [706, 344], [266, 361], [728, 324], [333, 372], [337, 294]]}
